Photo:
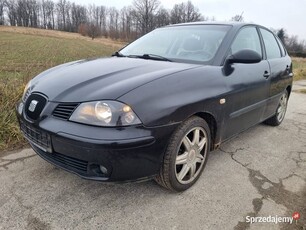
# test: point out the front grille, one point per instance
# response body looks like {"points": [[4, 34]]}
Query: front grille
{"points": [[34, 105], [40, 138], [64, 111], [70, 162]]}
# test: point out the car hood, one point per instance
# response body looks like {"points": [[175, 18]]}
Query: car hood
{"points": [[103, 78]]}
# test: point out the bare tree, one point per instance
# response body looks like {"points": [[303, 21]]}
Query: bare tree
{"points": [[68, 21], [12, 13], [47, 14], [93, 30], [293, 45], [113, 24], [44, 13], [123, 23], [162, 17], [177, 13], [192, 13], [102, 10], [34, 13], [281, 33], [1, 12], [185, 12], [50, 11], [91, 13], [237, 18], [61, 16], [144, 12], [23, 14], [127, 24], [78, 16]]}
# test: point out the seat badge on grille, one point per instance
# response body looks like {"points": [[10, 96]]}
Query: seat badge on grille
{"points": [[33, 105]]}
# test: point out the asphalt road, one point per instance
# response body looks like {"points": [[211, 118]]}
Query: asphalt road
{"points": [[261, 172]]}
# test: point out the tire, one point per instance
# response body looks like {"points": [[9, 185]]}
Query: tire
{"points": [[280, 112], [186, 155]]}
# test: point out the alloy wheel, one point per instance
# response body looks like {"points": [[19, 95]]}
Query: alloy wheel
{"points": [[191, 155], [282, 107]]}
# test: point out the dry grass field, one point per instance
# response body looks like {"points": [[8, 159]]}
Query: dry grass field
{"points": [[25, 52], [299, 68]]}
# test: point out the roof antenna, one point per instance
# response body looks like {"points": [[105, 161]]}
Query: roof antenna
{"points": [[240, 17]]}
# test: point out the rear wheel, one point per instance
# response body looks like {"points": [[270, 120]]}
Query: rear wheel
{"points": [[280, 111], [186, 155]]}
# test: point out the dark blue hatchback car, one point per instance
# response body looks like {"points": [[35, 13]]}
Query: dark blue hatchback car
{"points": [[160, 105]]}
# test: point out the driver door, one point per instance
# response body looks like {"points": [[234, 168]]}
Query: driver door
{"points": [[248, 86]]}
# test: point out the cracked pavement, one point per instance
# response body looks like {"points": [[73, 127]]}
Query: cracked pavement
{"points": [[260, 172]]}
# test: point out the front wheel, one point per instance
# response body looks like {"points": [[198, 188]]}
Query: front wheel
{"points": [[186, 155], [280, 111]]}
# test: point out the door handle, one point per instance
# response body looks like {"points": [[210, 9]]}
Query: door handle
{"points": [[266, 74]]}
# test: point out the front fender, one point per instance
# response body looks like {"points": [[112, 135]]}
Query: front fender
{"points": [[178, 96]]}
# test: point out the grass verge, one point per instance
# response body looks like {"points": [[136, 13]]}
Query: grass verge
{"points": [[302, 90], [22, 57], [299, 68]]}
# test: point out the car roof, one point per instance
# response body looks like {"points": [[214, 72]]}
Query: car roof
{"points": [[230, 23]]}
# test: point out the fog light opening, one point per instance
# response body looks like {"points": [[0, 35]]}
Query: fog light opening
{"points": [[103, 169]]}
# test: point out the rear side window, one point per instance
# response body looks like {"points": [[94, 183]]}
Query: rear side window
{"points": [[272, 48], [247, 38]]}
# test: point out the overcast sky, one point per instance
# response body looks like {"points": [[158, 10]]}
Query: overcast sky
{"points": [[288, 14]]}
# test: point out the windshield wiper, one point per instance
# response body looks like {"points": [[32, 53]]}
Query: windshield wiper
{"points": [[151, 57], [118, 54]]}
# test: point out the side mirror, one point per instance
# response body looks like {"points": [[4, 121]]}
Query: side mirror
{"points": [[245, 56]]}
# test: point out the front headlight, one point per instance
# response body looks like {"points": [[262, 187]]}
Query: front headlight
{"points": [[105, 113]]}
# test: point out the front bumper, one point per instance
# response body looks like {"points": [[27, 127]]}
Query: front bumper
{"points": [[128, 153]]}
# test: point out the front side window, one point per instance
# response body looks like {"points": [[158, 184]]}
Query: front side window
{"points": [[194, 43], [247, 38], [272, 48]]}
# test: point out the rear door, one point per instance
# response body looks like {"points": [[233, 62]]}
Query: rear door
{"points": [[248, 85], [281, 70]]}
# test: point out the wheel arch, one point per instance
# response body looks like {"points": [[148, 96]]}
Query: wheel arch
{"points": [[289, 87], [212, 123]]}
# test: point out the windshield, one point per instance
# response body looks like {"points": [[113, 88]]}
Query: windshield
{"points": [[193, 43]]}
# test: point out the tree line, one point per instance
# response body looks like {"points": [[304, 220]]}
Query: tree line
{"points": [[292, 43], [127, 23], [294, 46]]}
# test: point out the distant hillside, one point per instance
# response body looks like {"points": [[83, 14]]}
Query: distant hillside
{"points": [[59, 34]]}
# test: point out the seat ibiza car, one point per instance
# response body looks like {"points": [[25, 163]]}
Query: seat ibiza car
{"points": [[157, 107]]}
